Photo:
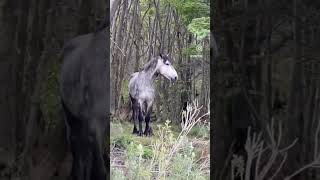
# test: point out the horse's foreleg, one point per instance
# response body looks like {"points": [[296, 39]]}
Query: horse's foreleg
{"points": [[148, 131], [140, 133], [135, 120]]}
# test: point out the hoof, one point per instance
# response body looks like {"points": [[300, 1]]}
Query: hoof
{"points": [[148, 132], [135, 131], [140, 134]]}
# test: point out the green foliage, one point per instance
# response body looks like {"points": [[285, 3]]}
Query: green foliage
{"points": [[182, 165], [147, 153], [152, 11], [145, 10], [201, 131], [116, 132], [125, 90], [136, 162], [200, 27], [190, 9], [154, 161], [194, 49], [122, 141], [117, 174]]}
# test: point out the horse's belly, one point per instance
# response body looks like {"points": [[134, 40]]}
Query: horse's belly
{"points": [[146, 96]]}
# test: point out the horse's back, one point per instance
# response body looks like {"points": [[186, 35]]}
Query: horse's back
{"points": [[132, 82], [84, 75], [77, 43]]}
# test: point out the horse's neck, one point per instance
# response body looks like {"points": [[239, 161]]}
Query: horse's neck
{"points": [[150, 75], [146, 79]]}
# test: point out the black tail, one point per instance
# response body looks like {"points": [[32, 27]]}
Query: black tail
{"points": [[68, 118], [133, 102]]}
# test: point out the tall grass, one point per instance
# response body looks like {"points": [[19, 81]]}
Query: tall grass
{"points": [[168, 156]]}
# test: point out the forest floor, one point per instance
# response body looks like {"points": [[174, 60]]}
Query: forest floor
{"points": [[135, 157]]}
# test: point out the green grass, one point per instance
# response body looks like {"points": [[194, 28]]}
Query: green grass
{"points": [[123, 132], [200, 131], [136, 156]]}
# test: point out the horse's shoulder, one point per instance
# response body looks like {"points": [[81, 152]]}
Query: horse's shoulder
{"points": [[78, 42]]}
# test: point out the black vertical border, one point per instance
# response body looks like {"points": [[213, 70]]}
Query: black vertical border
{"points": [[107, 148], [211, 89]]}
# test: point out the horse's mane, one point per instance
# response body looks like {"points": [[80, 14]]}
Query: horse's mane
{"points": [[151, 64], [102, 25], [133, 74]]}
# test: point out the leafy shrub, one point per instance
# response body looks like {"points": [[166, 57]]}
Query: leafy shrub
{"points": [[122, 141], [147, 153], [201, 131], [117, 174]]}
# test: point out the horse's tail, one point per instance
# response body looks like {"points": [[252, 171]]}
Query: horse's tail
{"points": [[132, 103], [68, 117]]}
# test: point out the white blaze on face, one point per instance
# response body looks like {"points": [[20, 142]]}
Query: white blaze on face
{"points": [[167, 70]]}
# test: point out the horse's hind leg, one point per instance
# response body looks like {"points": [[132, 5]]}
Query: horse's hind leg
{"points": [[135, 114], [148, 129], [82, 157], [98, 169], [76, 144], [135, 111]]}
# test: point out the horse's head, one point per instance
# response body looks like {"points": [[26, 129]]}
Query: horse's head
{"points": [[166, 69]]}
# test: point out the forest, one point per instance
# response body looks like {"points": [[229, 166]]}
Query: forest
{"points": [[248, 87], [33, 142], [141, 30], [264, 87]]}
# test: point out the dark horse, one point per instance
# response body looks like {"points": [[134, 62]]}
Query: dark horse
{"points": [[141, 90], [85, 100]]}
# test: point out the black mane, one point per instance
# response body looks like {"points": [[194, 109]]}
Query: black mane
{"points": [[103, 24], [151, 64]]}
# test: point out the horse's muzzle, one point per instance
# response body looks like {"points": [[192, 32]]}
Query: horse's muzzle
{"points": [[174, 79]]}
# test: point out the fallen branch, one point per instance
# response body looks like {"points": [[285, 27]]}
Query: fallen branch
{"points": [[118, 47]]}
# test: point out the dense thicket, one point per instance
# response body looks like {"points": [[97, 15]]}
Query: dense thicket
{"points": [[144, 28], [32, 34], [267, 69]]}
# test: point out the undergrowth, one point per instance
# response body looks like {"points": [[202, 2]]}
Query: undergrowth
{"points": [[167, 155]]}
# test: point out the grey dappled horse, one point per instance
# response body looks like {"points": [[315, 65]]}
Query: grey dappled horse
{"points": [[142, 91], [85, 100]]}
